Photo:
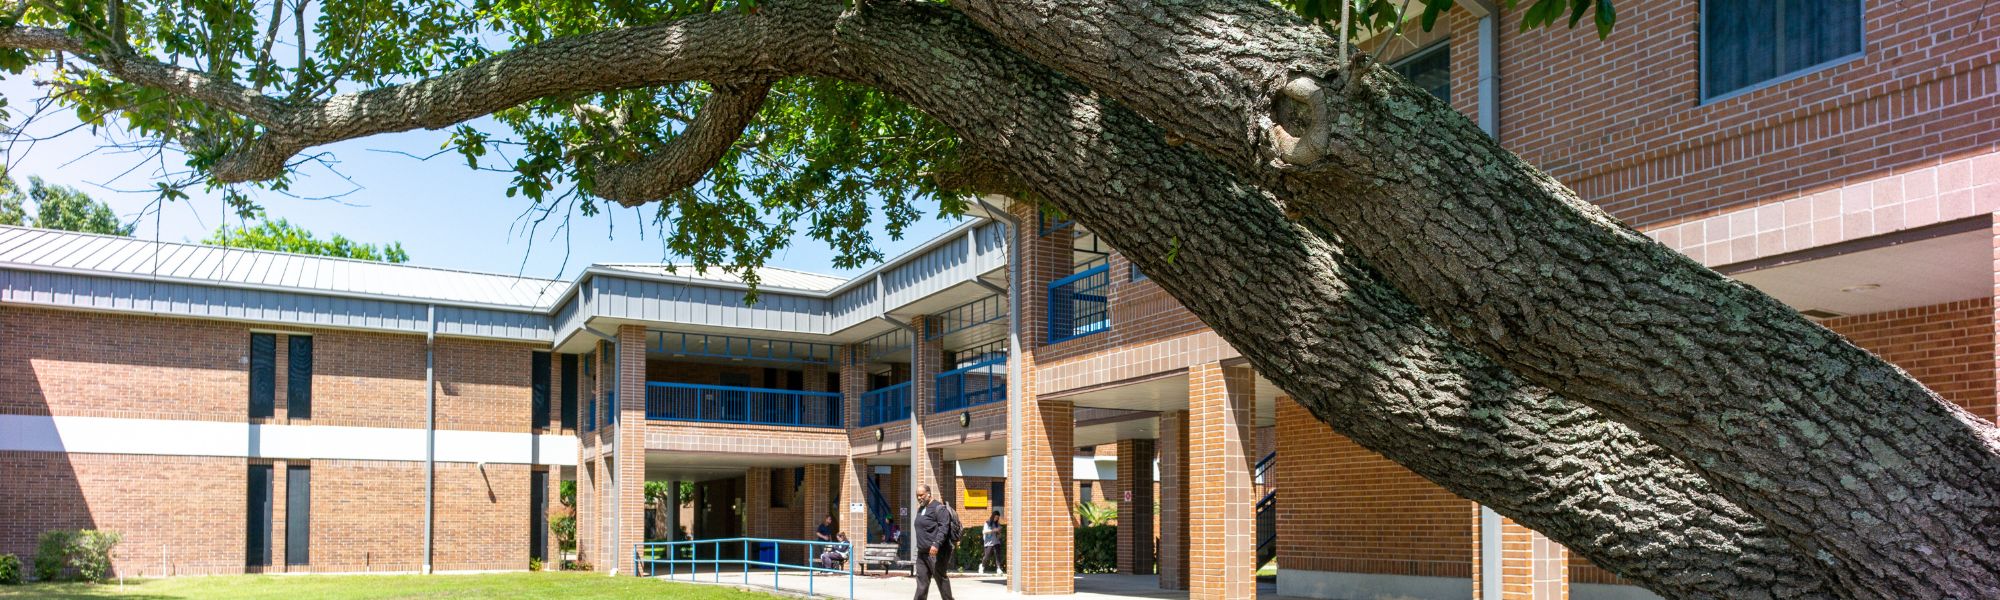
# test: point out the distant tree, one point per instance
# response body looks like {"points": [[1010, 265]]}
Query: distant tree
{"points": [[282, 236], [56, 207]]}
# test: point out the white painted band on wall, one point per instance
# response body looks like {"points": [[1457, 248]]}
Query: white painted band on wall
{"points": [[106, 435]]}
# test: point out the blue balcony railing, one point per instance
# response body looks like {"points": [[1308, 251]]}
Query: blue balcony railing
{"points": [[1078, 306], [981, 383], [890, 403], [755, 406]]}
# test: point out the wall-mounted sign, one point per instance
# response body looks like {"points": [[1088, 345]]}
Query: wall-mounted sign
{"points": [[856, 507], [977, 499]]}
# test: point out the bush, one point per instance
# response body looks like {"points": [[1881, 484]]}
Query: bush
{"points": [[534, 565], [971, 548], [86, 553], [563, 524], [51, 551], [1097, 549], [10, 569]]}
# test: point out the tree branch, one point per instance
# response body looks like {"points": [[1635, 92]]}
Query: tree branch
{"points": [[683, 162]]}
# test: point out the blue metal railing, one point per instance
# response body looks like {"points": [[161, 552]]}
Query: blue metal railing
{"points": [[981, 383], [728, 404], [885, 405], [878, 508], [1078, 306], [650, 556]]}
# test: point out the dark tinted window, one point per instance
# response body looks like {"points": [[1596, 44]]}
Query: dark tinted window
{"points": [[569, 391], [298, 377], [257, 525], [263, 375], [1747, 43], [1429, 68], [298, 516], [538, 390]]}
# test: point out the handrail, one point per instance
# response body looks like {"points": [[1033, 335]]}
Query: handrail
{"points": [[731, 404], [878, 506], [954, 393], [1074, 311], [649, 554], [886, 404], [1264, 464]]}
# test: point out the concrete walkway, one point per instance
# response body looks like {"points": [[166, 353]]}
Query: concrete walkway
{"points": [[965, 586]]}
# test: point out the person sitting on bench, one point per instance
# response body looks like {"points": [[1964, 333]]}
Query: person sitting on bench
{"points": [[835, 556]]}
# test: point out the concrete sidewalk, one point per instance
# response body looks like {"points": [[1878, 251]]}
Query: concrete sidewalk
{"points": [[965, 586]]}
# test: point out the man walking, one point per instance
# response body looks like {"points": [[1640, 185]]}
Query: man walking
{"points": [[937, 532]]}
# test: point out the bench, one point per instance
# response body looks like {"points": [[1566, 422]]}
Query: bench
{"points": [[886, 555]]}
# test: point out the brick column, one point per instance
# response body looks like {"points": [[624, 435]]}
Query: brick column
{"points": [[1045, 532], [1533, 567], [816, 495], [631, 460], [852, 474], [925, 356], [1222, 529], [757, 502], [1173, 452], [1135, 507]]}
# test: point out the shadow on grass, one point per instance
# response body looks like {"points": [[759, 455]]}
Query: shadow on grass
{"points": [[79, 591]]}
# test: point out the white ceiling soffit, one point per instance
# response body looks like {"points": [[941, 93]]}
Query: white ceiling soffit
{"points": [[1920, 273]]}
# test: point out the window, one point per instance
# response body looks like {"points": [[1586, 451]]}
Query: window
{"points": [[569, 391], [1429, 68], [1133, 273], [298, 515], [997, 490], [257, 525], [263, 375], [1744, 44], [1083, 493], [538, 390], [298, 377], [538, 526]]}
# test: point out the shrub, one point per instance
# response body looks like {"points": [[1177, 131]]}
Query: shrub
{"points": [[86, 553], [971, 548], [10, 569], [90, 553], [1097, 549], [51, 551], [534, 564], [1091, 514], [563, 524]]}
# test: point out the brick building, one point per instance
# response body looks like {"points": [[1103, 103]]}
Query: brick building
{"points": [[234, 411]]}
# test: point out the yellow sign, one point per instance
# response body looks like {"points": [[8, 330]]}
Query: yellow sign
{"points": [[976, 499]]}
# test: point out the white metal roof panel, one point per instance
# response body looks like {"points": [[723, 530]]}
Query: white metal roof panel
{"points": [[113, 255]]}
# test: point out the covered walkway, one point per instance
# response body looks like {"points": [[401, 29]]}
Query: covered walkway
{"points": [[965, 586]]}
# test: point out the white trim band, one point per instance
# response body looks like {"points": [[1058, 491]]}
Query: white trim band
{"points": [[106, 435]]}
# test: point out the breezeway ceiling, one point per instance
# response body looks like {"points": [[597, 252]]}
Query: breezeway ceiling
{"points": [[1919, 273]]}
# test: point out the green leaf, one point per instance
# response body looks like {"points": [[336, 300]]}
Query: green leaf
{"points": [[1606, 17]]}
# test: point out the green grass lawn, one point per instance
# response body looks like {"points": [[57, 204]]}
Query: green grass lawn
{"points": [[344, 587]]}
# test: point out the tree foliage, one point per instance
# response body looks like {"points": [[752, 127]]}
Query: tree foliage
{"points": [[52, 206], [283, 236]]}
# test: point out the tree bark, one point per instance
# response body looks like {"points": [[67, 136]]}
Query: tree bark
{"points": [[1320, 324], [1853, 461]]}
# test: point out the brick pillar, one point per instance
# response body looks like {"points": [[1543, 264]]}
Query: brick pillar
{"points": [[631, 460], [1046, 531], [816, 499], [925, 355], [1533, 567], [1173, 451], [1222, 530], [586, 507], [757, 502], [852, 511], [1135, 507]]}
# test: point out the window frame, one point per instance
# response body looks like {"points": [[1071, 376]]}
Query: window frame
{"points": [[1702, 66], [263, 375], [299, 376], [1422, 52]]}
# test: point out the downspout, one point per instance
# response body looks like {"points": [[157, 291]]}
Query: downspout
{"points": [[1014, 364], [1490, 561], [430, 429]]}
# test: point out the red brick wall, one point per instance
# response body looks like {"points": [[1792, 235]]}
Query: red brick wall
{"points": [[1344, 508], [1948, 347], [1622, 121], [190, 507], [56, 362]]}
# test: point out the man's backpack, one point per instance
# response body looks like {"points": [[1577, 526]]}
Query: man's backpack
{"points": [[953, 529]]}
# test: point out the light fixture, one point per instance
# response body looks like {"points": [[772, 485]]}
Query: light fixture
{"points": [[1866, 287]]}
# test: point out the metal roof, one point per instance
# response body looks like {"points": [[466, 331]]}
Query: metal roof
{"points": [[771, 277], [50, 250]]}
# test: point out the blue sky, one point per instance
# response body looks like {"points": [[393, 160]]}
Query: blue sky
{"points": [[445, 215]]}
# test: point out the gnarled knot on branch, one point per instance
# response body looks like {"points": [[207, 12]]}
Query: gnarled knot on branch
{"points": [[1300, 128]]}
